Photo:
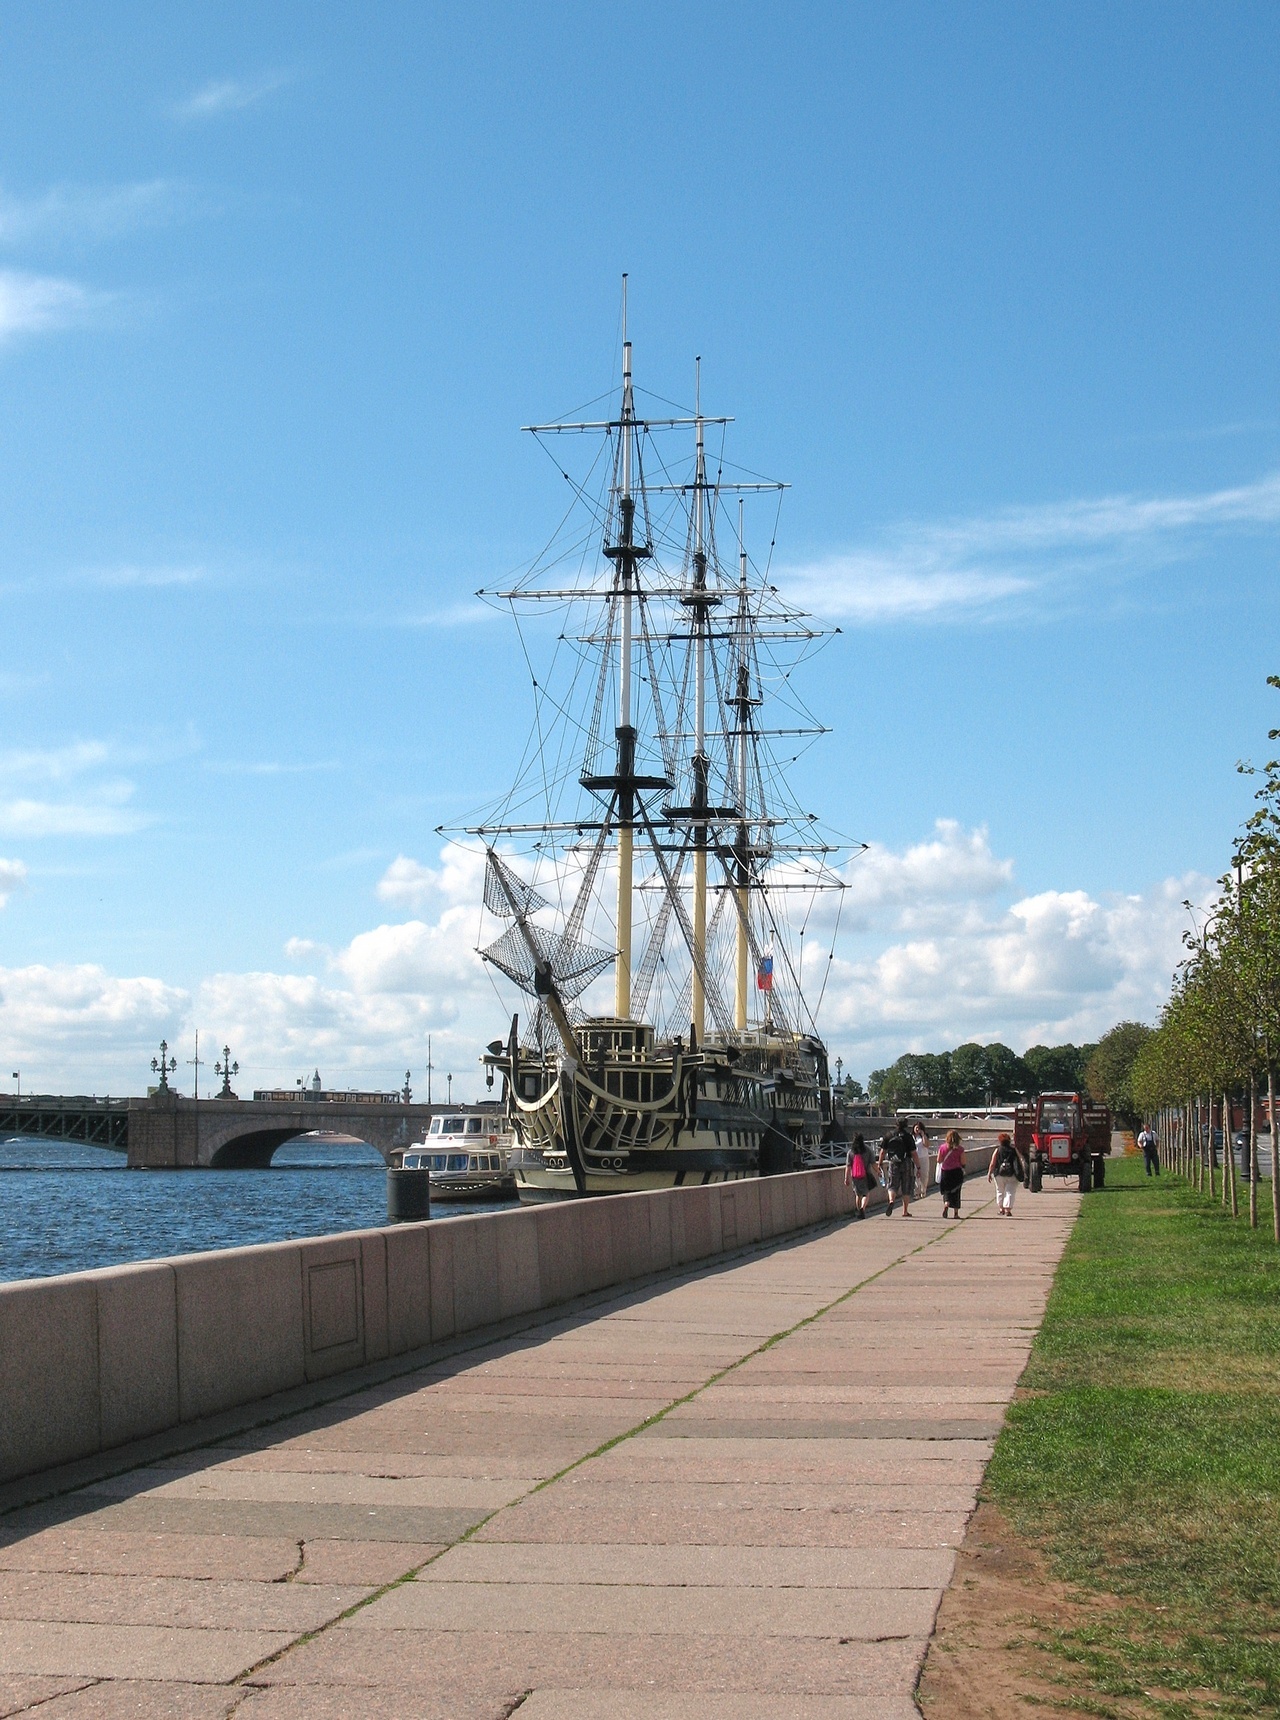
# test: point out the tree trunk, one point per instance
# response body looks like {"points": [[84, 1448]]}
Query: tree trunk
{"points": [[1253, 1150], [1228, 1158]]}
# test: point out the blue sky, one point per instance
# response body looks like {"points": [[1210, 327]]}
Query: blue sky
{"points": [[994, 288]]}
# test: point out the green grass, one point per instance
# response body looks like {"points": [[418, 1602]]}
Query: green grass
{"points": [[1143, 1453]]}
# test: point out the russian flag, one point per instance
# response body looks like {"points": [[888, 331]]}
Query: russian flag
{"points": [[764, 974]]}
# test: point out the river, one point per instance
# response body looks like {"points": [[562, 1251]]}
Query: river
{"points": [[66, 1208]]}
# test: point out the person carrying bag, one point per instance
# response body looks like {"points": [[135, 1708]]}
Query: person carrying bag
{"points": [[1008, 1170], [857, 1175]]}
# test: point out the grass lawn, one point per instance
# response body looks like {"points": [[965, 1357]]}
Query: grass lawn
{"points": [[1143, 1453]]}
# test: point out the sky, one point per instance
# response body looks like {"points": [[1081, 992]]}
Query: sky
{"points": [[993, 287]]}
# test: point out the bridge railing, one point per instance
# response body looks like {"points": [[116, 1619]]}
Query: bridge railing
{"points": [[87, 1119]]}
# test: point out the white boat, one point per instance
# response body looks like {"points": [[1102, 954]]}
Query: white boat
{"points": [[466, 1155]]}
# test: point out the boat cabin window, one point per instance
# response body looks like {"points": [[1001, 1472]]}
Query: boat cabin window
{"points": [[454, 1126], [413, 1161], [457, 1162], [435, 1126], [475, 1125]]}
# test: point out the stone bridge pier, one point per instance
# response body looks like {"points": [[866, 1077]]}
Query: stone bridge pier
{"points": [[167, 1131]]}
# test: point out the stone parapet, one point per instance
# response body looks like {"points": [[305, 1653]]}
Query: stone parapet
{"points": [[93, 1360]]}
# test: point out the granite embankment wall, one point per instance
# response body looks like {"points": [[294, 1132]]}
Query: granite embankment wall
{"points": [[93, 1360]]}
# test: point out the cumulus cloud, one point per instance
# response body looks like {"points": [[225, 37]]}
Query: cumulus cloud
{"points": [[952, 964], [936, 946], [987, 563], [73, 1028]]}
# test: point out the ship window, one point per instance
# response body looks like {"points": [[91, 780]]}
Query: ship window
{"points": [[529, 1084], [454, 1125], [495, 1162], [439, 1161], [413, 1161], [475, 1125], [457, 1162], [435, 1126]]}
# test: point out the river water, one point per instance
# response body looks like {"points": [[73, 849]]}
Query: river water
{"points": [[66, 1208]]}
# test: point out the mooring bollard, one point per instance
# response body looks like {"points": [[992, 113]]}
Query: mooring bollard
{"points": [[408, 1196]]}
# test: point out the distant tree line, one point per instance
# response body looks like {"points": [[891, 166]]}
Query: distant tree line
{"points": [[976, 1074]]}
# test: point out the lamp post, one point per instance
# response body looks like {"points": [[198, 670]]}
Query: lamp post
{"points": [[406, 1092], [226, 1069], [450, 1079], [195, 1062], [17, 1075], [165, 1067], [430, 1066]]}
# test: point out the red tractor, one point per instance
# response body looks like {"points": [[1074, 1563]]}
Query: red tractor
{"points": [[1063, 1135]]}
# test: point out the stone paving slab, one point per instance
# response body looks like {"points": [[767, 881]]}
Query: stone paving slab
{"points": [[197, 1656], [76, 1598], [143, 1699], [695, 1566], [18, 1694], [776, 1545]]}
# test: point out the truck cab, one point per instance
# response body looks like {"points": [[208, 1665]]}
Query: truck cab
{"points": [[1064, 1134]]}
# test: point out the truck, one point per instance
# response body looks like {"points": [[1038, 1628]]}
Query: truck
{"points": [[1063, 1135]]}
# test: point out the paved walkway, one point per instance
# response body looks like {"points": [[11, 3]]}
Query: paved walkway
{"points": [[513, 1528]]}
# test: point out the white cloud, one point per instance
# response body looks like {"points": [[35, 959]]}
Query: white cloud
{"points": [[953, 865], [230, 95], [13, 877], [24, 817], [89, 211], [99, 808], [989, 562], [408, 883], [72, 1028], [145, 578], [936, 946], [35, 304], [949, 962]]}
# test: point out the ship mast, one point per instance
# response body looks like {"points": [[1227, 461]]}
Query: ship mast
{"points": [[742, 857], [701, 762], [624, 554]]}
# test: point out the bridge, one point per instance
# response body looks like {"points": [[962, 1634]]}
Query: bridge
{"points": [[166, 1131]]}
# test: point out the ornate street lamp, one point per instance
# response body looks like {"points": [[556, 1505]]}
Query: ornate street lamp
{"points": [[226, 1069], [165, 1066]]}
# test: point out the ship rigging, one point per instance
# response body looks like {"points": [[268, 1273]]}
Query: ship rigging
{"points": [[652, 787]]}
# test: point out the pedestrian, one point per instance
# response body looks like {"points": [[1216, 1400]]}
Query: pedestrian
{"points": [[1008, 1168], [922, 1160], [1150, 1149], [951, 1172], [898, 1164], [857, 1174]]}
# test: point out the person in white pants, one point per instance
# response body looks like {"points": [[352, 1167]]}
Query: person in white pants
{"points": [[1006, 1170]]}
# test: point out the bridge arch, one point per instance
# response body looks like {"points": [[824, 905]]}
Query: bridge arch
{"points": [[254, 1149]]}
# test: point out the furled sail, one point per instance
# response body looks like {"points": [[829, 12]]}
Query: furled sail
{"points": [[529, 954]]}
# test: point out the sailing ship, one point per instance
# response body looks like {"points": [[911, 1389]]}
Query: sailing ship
{"points": [[651, 830]]}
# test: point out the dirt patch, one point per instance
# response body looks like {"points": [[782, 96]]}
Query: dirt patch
{"points": [[986, 1660]]}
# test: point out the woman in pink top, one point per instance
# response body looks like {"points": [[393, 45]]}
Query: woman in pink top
{"points": [[951, 1172]]}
